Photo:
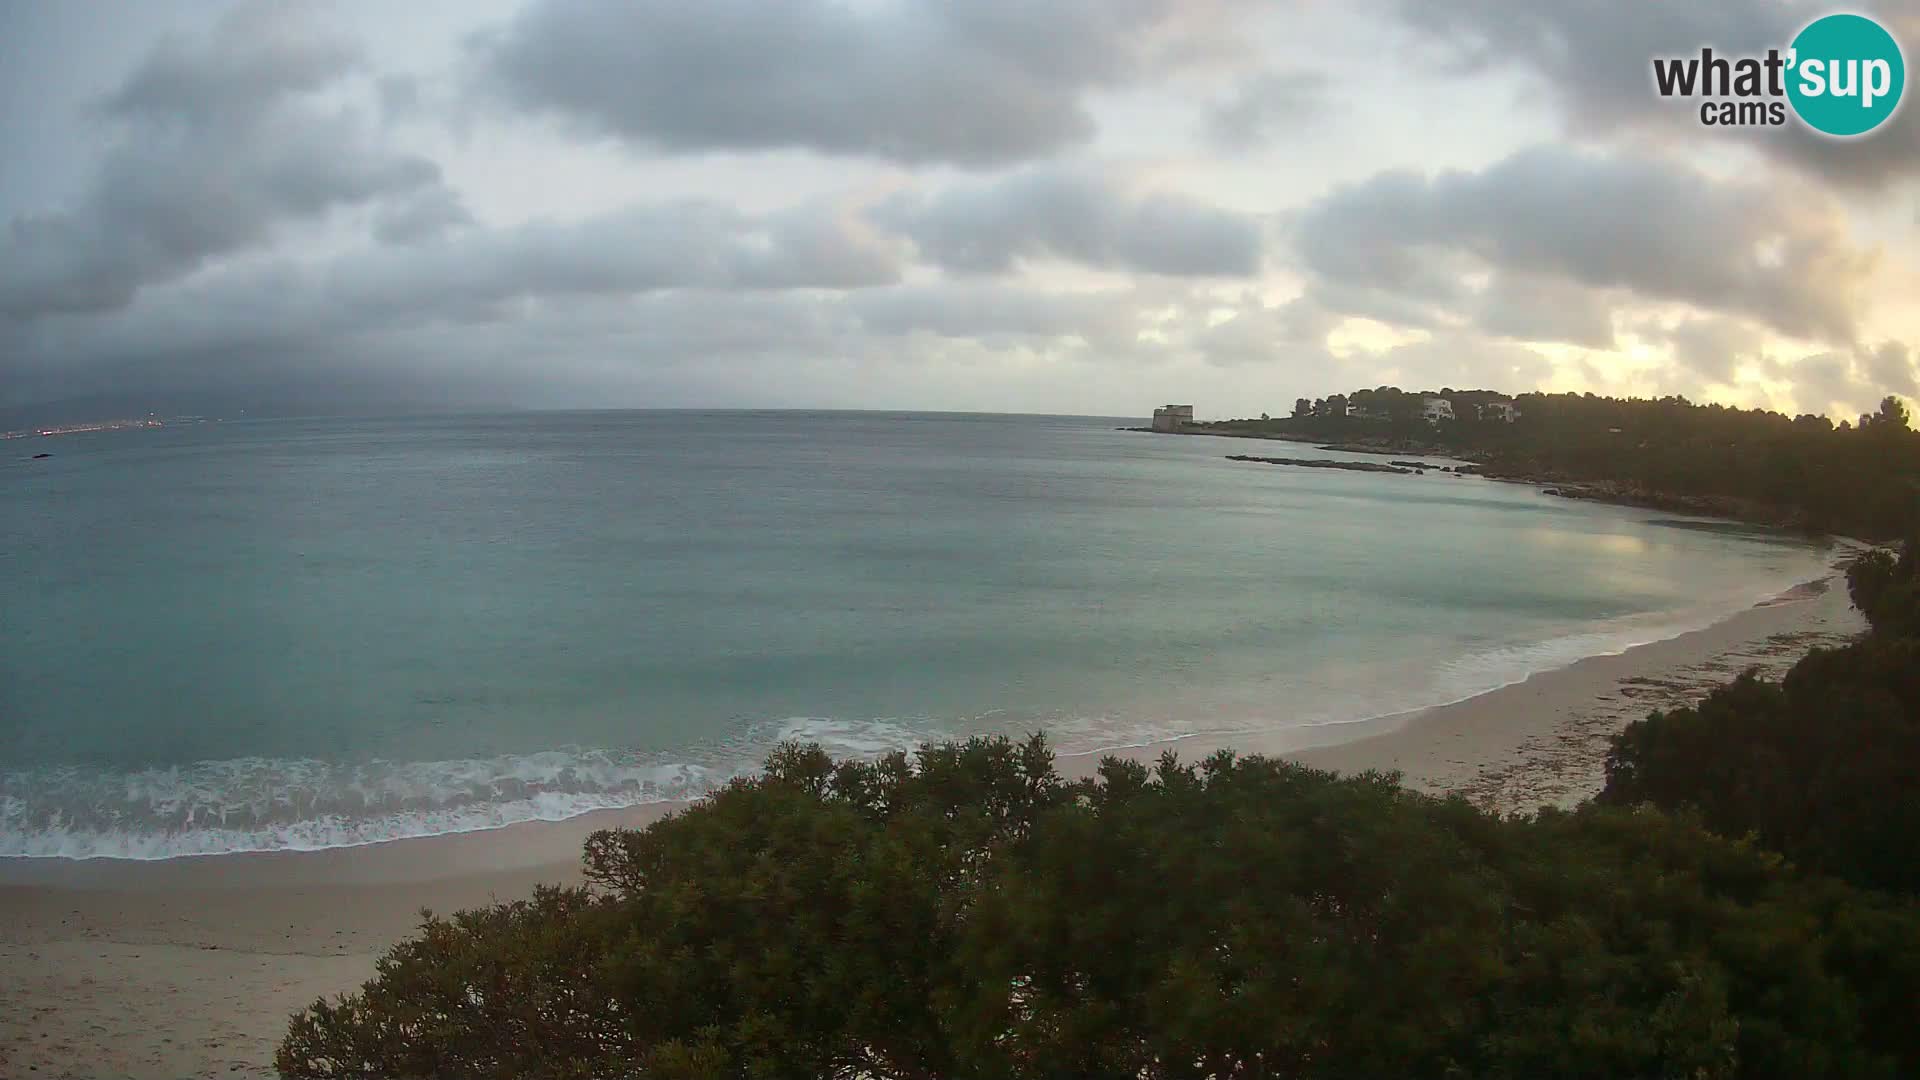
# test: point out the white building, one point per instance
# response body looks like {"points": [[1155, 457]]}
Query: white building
{"points": [[1503, 411], [1436, 409], [1172, 417]]}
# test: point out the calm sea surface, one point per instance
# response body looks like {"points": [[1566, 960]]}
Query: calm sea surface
{"points": [[300, 634]]}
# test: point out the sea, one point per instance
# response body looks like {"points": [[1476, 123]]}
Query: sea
{"points": [[301, 634]]}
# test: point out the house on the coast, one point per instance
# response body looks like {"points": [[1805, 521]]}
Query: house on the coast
{"points": [[1504, 411], [1435, 409], [1172, 417]]}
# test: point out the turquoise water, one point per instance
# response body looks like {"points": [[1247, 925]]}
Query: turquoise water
{"points": [[300, 634]]}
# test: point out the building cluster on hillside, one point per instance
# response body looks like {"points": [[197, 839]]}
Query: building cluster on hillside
{"points": [[1434, 409], [1386, 404]]}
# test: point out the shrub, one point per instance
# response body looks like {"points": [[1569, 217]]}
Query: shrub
{"points": [[969, 913]]}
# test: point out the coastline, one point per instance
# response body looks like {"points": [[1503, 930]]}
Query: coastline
{"points": [[190, 966], [1729, 508]]}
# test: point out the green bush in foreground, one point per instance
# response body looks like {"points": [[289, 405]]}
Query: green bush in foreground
{"points": [[968, 913], [1823, 766]]}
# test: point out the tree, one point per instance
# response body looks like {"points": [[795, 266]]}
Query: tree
{"points": [[1302, 408], [968, 912], [1892, 416], [1886, 589], [1820, 765], [1805, 472]]}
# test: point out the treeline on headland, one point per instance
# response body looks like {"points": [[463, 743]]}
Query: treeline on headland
{"points": [[1859, 478], [1740, 902]]}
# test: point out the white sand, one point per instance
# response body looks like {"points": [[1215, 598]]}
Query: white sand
{"points": [[190, 967]]}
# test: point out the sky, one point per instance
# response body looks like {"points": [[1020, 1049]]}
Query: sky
{"points": [[1088, 206]]}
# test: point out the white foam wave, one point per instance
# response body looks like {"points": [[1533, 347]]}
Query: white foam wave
{"points": [[855, 738], [267, 804]]}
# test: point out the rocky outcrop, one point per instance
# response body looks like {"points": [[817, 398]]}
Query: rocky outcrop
{"points": [[1716, 506], [1322, 463]]}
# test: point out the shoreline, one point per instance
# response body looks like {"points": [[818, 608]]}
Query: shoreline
{"points": [[1731, 509], [425, 856], [191, 965], [530, 843]]}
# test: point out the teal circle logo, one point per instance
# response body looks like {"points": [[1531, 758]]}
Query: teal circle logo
{"points": [[1846, 75]]}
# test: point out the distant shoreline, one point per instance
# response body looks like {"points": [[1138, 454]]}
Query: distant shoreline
{"points": [[1728, 508]]}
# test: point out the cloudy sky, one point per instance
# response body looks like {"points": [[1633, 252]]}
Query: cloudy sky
{"points": [[1090, 206]]}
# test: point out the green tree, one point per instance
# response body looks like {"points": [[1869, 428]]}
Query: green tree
{"points": [[968, 913], [1803, 472], [1820, 765]]}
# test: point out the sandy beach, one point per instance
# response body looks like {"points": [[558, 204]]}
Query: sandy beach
{"points": [[190, 967]]}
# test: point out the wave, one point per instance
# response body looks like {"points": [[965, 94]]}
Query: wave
{"points": [[268, 804], [256, 804]]}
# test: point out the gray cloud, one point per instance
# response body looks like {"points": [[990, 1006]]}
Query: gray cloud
{"points": [[990, 228], [218, 143], [1891, 367], [428, 214], [1840, 381], [1713, 347], [1594, 62], [1647, 226], [962, 309], [1533, 307], [473, 275], [479, 277], [982, 83], [1258, 333], [1266, 106], [259, 53]]}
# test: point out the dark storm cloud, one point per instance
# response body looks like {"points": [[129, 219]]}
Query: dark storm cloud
{"points": [[475, 276], [991, 227], [1593, 62], [981, 83], [1646, 226], [217, 143]]}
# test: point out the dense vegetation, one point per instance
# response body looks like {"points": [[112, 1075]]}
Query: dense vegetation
{"points": [[1824, 765], [970, 913], [1861, 479]]}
